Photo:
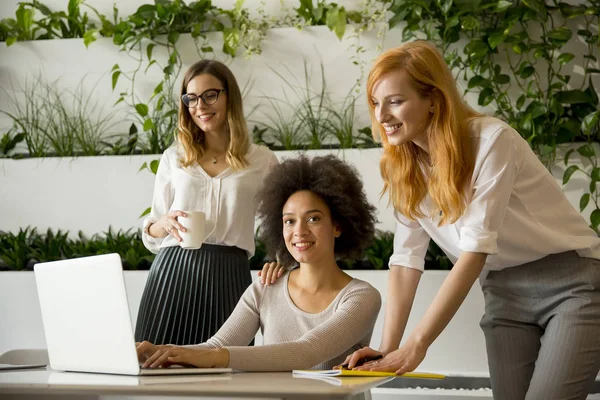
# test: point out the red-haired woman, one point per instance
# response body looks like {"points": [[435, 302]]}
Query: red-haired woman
{"points": [[473, 185]]}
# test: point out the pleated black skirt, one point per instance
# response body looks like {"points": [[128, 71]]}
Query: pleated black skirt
{"points": [[190, 293]]}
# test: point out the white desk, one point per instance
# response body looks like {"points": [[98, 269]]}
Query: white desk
{"points": [[30, 384]]}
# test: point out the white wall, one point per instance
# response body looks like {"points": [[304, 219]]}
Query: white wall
{"points": [[92, 193]]}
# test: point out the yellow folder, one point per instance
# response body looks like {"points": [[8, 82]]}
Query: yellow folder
{"points": [[348, 372]]}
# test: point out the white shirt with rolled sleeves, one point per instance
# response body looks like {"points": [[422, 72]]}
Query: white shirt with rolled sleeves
{"points": [[227, 199], [517, 212]]}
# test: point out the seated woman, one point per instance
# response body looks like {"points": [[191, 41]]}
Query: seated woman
{"points": [[312, 211]]}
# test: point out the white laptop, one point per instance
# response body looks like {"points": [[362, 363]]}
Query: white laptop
{"points": [[86, 318]]}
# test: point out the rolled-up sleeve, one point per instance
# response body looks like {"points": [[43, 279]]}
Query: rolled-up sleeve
{"points": [[161, 202], [494, 178], [410, 243]]}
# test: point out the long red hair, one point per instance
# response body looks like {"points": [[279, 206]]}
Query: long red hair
{"points": [[408, 172]]}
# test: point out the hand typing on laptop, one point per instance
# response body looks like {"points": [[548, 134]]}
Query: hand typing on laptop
{"points": [[163, 356]]}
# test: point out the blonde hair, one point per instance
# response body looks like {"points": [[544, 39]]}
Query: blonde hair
{"points": [[405, 168], [191, 137]]}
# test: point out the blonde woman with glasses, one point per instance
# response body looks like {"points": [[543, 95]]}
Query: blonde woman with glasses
{"points": [[212, 168]]}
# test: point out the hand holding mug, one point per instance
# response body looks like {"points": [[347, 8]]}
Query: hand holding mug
{"points": [[170, 224]]}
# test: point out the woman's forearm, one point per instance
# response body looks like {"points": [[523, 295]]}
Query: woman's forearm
{"points": [[451, 295], [402, 286]]}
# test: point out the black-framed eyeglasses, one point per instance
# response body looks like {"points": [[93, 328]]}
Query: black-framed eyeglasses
{"points": [[209, 97]]}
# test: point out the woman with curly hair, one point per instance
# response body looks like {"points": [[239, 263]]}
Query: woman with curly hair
{"points": [[213, 168], [315, 315], [473, 185]]}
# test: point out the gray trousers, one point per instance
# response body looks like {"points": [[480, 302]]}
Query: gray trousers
{"points": [[542, 328]]}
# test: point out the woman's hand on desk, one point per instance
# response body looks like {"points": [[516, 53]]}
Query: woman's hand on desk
{"points": [[405, 359], [365, 352], [163, 356]]}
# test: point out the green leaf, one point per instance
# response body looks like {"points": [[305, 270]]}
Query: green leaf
{"points": [[502, 79], [332, 17], [446, 6], [589, 122], [595, 218], [149, 51], [586, 150], [568, 172], [173, 37], [154, 166], [495, 39], [231, 40], [478, 80], [503, 5], [148, 124], [538, 6], [486, 96], [340, 27], [535, 109], [11, 40], [141, 109], [575, 96], [89, 37], [583, 201], [115, 78], [567, 155], [143, 167], [565, 58], [560, 34], [521, 101], [596, 174], [476, 49], [146, 212], [158, 89], [519, 48], [469, 23]]}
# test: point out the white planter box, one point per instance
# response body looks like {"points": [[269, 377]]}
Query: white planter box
{"points": [[92, 193], [460, 348]]}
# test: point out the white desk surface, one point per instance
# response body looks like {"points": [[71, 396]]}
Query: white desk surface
{"points": [[245, 384]]}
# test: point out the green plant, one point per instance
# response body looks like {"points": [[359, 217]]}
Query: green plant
{"points": [[379, 253], [19, 251], [16, 250], [341, 122], [331, 14], [52, 24], [435, 258], [283, 128], [517, 56], [9, 142], [51, 126], [50, 247]]}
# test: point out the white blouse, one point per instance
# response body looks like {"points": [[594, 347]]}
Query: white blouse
{"points": [[517, 212], [228, 199]]}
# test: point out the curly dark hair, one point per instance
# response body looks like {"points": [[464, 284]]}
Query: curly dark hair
{"points": [[337, 183]]}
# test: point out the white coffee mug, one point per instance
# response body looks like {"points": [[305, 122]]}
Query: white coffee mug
{"points": [[196, 227]]}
